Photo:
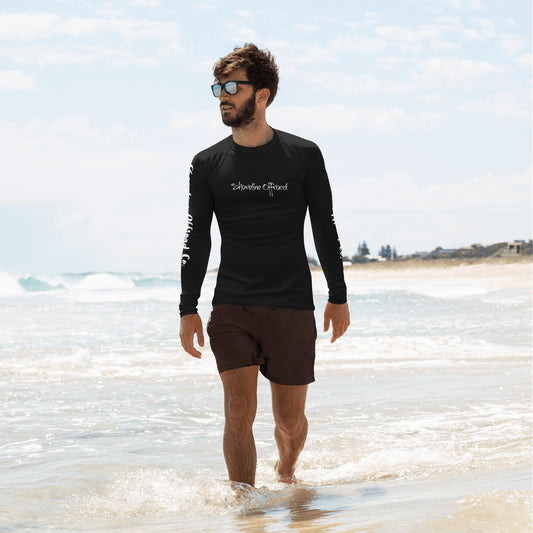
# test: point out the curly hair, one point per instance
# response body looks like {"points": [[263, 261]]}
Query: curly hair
{"points": [[260, 66]]}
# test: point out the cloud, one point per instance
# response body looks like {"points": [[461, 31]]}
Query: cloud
{"points": [[404, 193], [14, 80], [36, 26], [510, 105], [306, 28], [206, 6], [464, 4], [454, 73], [50, 160], [524, 61], [65, 131], [406, 34], [72, 40], [511, 44], [340, 118], [357, 43], [237, 33], [146, 3], [416, 214], [48, 55], [364, 84]]}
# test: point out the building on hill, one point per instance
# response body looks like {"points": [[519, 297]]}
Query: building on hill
{"points": [[512, 248]]}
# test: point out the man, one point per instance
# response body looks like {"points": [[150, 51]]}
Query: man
{"points": [[259, 182]]}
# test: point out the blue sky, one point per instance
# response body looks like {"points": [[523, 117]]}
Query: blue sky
{"points": [[422, 109]]}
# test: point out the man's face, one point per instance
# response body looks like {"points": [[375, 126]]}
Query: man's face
{"points": [[238, 109]]}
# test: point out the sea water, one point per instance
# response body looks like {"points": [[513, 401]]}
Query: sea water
{"points": [[420, 418]]}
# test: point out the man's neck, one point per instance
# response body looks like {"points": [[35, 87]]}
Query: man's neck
{"points": [[256, 133]]}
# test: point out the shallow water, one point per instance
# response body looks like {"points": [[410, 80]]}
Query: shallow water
{"points": [[420, 418]]}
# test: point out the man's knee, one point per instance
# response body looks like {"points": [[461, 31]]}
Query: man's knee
{"points": [[240, 410], [291, 424]]}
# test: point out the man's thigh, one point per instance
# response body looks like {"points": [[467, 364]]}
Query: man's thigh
{"points": [[240, 390]]}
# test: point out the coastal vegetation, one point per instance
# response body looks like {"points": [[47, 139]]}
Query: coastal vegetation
{"points": [[507, 249]]}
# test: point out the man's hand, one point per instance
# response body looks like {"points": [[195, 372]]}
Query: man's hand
{"points": [[339, 316], [189, 325]]}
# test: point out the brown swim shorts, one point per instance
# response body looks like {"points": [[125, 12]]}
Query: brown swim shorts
{"points": [[281, 341]]}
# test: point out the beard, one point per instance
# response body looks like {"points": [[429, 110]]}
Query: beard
{"points": [[243, 116]]}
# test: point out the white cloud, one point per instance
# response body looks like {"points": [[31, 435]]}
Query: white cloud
{"points": [[71, 40], [524, 61], [146, 3], [408, 35], [510, 22], [511, 105], [338, 118], [357, 43], [14, 80], [70, 131], [203, 7], [406, 212], [236, 32], [27, 26], [487, 27], [464, 4], [404, 193], [44, 56], [511, 44], [453, 72], [70, 159], [306, 28], [364, 84]]}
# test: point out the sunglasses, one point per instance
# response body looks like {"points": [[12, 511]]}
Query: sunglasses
{"points": [[231, 87]]}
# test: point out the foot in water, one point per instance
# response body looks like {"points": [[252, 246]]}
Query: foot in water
{"points": [[284, 478]]}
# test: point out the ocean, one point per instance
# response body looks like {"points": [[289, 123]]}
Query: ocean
{"points": [[419, 419]]}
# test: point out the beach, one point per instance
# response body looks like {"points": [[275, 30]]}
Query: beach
{"points": [[419, 419]]}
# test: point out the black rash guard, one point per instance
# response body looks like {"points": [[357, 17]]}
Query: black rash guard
{"points": [[260, 197]]}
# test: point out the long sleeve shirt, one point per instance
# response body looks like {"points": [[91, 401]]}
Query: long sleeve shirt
{"points": [[260, 197]]}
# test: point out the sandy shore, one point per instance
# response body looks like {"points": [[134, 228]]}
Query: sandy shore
{"points": [[505, 272]]}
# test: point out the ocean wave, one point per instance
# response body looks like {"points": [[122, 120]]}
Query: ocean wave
{"points": [[12, 284], [33, 284]]}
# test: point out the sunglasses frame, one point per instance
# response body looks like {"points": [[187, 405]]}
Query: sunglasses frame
{"points": [[223, 86]]}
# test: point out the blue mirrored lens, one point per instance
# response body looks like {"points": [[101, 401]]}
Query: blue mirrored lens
{"points": [[231, 87], [217, 89]]}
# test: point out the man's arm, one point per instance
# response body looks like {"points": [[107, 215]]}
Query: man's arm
{"points": [[195, 256], [319, 200]]}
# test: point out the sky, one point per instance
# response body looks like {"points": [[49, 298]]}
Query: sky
{"points": [[422, 110]]}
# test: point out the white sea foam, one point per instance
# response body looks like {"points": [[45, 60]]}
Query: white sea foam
{"points": [[9, 285], [167, 492], [104, 281]]}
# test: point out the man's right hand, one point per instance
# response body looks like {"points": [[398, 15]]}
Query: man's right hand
{"points": [[189, 325]]}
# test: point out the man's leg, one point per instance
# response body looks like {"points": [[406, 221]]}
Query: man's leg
{"points": [[240, 405], [288, 406]]}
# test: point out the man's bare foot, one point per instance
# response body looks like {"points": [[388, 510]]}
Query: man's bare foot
{"points": [[240, 489], [284, 478]]}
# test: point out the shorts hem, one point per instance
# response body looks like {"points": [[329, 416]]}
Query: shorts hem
{"points": [[281, 381], [238, 366]]}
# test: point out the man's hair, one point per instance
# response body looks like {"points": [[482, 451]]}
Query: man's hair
{"points": [[260, 67]]}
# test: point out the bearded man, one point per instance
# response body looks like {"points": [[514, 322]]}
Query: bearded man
{"points": [[259, 182]]}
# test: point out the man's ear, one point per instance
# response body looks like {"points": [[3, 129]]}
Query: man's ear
{"points": [[262, 95]]}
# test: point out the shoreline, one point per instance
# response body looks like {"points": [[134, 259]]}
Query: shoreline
{"points": [[418, 263], [501, 272]]}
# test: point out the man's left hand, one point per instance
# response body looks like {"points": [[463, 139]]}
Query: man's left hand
{"points": [[339, 317]]}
